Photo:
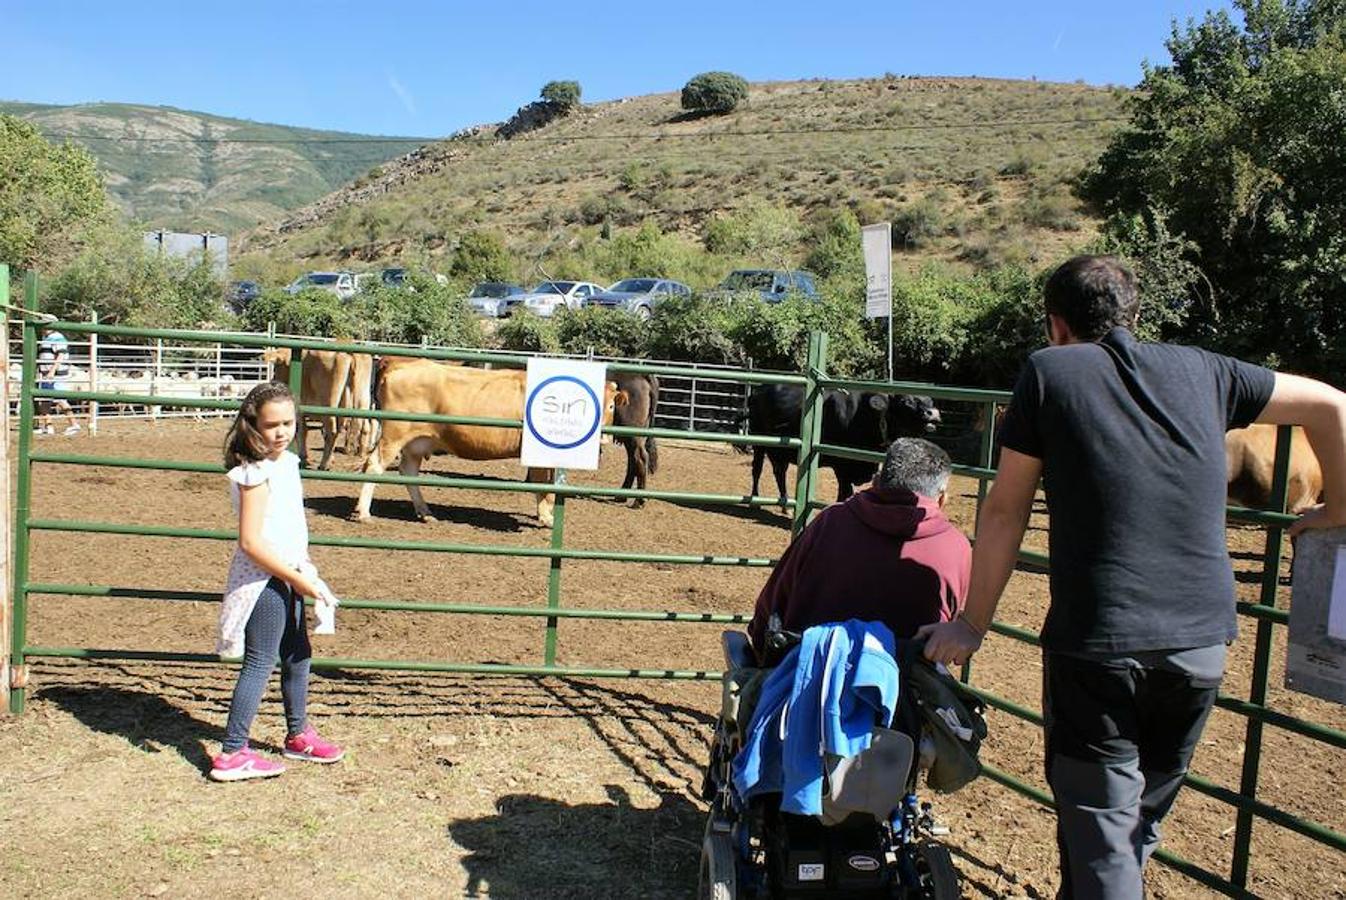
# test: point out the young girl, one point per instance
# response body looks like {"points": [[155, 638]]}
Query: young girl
{"points": [[263, 612]]}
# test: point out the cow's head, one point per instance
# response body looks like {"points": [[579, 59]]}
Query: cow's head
{"points": [[905, 415], [276, 355], [613, 397]]}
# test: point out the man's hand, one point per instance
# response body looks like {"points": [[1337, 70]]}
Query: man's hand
{"points": [[951, 643], [1316, 517]]}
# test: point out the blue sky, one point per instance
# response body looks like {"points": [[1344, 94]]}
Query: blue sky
{"points": [[427, 69]]}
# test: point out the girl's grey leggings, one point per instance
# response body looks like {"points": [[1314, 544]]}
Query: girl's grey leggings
{"points": [[275, 628]]}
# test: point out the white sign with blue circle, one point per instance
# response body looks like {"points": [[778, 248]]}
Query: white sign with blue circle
{"points": [[563, 414]]}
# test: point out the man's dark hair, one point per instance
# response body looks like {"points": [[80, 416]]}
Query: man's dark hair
{"points": [[1093, 294], [916, 465]]}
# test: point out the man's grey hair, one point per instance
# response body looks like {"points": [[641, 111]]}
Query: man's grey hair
{"points": [[916, 465]]}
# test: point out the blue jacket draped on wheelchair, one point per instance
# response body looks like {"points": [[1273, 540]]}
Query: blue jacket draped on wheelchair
{"points": [[823, 701]]}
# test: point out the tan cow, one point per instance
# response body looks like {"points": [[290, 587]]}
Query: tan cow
{"points": [[1251, 457], [329, 378], [425, 386]]}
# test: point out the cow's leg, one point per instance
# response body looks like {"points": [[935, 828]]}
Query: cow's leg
{"points": [[780, 465], [628, 444], [545, 502], [412, 454], [374, 465], [758, 454], [328, 441], [642, 463], [303, 440]]}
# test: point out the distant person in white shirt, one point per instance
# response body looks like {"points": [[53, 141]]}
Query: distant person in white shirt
{"points": [[53, 365]]}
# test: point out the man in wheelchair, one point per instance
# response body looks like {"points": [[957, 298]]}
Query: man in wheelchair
{"points": [[813, 767]]}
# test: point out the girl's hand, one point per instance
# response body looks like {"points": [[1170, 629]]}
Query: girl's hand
{"points": [[305, 585]]}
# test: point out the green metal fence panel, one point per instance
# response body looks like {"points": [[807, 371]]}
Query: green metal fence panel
{"points": [[1248, 808]]}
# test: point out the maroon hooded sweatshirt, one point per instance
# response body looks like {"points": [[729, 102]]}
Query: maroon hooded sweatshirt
{"points": [[885, 555]]}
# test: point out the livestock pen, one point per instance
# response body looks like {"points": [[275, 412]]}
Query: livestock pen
{"points": [[1244, 796]]}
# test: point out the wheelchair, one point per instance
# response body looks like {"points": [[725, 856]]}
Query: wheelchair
{"points": [[755, 851]]}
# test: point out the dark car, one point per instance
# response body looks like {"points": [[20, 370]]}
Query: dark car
{"points": [[639, 296], [771, 284], [241, 293], [393, 277]]}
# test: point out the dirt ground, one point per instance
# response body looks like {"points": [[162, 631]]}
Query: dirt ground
{"points": [[500, 787]]}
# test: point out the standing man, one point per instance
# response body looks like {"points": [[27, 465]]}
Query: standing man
{"points": [[53, 366], [1129, 439]]}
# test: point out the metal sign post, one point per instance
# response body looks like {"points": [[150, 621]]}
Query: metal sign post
{"points": [[6, 522]]}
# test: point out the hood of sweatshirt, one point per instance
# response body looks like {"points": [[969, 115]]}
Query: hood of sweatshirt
{"points": [[899, 513]]}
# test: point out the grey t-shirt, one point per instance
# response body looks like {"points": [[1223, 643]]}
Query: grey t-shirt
{"points": [[1131, 436]]}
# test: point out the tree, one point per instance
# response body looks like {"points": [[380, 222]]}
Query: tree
{"points": [[1235, 149], [714, 92], [50, 195], [564, 94], [481, 256]]}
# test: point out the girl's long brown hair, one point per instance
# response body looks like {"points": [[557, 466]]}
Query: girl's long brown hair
{"points": [[244, 443]]}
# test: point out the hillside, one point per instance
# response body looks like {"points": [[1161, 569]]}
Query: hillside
{"points": [[974, 171], [171, 168]]}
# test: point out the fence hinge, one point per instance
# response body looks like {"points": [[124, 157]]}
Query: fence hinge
{"points": [[18, 677]]}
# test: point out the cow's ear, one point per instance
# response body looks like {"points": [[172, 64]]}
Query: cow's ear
{"points": [[878, 402], [621, 398]]}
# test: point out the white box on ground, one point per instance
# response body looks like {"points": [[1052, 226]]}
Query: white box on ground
{"points": [[563, 414], [1316, 653]]}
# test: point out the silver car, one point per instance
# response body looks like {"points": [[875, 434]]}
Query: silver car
{"points": [[549, 296], [495, 299], [639, 296]]}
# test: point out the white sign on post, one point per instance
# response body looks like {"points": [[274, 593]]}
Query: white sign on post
{"points": [[877, 241], [1315, 661], [563, 414]]}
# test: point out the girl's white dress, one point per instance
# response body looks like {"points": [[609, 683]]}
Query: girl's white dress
{"points": [[283, 527]]}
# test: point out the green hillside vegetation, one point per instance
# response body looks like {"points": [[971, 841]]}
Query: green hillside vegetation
{"points": [[176, 169], [978, 173]]}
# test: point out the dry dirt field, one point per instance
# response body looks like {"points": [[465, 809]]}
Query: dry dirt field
{"points": [[500, 787]]}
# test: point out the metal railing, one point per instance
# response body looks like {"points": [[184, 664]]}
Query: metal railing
{"points": [[1245, 801]]}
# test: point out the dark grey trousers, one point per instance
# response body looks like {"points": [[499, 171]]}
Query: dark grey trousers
{"points": [[275, 628], [1121, 730]]}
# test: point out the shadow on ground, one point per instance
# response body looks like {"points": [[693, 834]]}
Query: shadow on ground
{"points": [[536, 847]]}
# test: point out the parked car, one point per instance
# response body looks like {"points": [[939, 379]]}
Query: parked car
{"points": [[639, 295], [495, 299], [393, 277], [772, 284], [241, 293], [549, 296], [340, 283]]}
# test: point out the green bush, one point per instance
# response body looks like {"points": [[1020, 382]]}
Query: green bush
{"points": [[608, 332], [525, 332], [917, 224], [420, 310], [758, 230], [311, 312], [776, 335], [693, 329], [564, 94], [714, 92]]}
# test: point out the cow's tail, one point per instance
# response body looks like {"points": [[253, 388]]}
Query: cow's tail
{"points": [[738, 427], [652, 446]]}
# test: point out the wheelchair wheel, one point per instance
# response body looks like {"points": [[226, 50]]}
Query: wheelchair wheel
{"points": [[719, 870], [939, 878]]}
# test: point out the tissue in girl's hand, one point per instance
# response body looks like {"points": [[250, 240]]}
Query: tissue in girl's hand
{"points": [[325, 611]]}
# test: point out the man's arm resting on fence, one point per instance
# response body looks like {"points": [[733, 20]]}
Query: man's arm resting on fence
{"points": [[1000, 533], [1321, 409]]}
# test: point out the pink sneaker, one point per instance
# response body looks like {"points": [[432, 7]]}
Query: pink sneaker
{"points": [[308, 746], [242, 765]]}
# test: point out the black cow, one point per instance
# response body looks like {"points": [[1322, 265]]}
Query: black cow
{"points": [[859, 419], [642, 454]]}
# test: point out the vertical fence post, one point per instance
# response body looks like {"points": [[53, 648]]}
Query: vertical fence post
{"points": [[691, 412], [18, 670], [810, 431], [156, 375], [219, 376], [6, 608], [30, 290], [985, 460], [1257, 693], [554, 570], [93, 374], [299, 443]]}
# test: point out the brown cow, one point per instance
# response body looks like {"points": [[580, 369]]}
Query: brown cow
{"points": [[424, 386], [1251, 456], [642, 453], [329, 378]]}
